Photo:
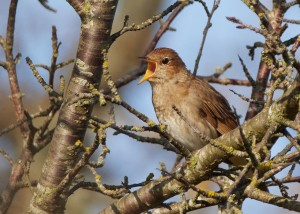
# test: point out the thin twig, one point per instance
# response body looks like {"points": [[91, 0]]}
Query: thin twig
{"points": [[204, 6], [241, 177], [292, 140], [261, 103], [205, 32], [43, 83], [55, 47], [143, 25], [132, 75], [99, 139], [290, 4], [247, 74], [45, 5], [7, 157], [243, 25], [116, 193], [292, 21], [159, 128], [3, 65]]}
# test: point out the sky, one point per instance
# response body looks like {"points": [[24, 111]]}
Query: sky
{"points": [[130, 158]]}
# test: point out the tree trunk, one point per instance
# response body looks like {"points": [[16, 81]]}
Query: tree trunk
{"points": [[97, 18]]}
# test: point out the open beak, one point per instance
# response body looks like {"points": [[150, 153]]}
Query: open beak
{"points": [[151, 67]]}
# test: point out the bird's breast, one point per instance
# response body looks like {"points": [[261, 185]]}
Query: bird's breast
{"points": [[181, 118]]}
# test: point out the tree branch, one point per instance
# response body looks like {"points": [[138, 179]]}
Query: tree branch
{"points": [[73, 119], [202, 162]]}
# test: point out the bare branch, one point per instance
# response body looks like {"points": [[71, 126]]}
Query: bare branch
{"points": [[292, 21], [273, 199], [26, 128], [43, 83], [201, 162], [243, 25], [291, 4], [205, 32], [45, 5], [134, 27], [7, 157], [3, 65], [247, 74]]}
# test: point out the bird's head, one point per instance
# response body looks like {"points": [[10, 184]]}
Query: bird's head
{"points": [[163, 65]]}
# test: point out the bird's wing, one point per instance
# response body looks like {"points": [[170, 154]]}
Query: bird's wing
{"points": [[213, 107]]}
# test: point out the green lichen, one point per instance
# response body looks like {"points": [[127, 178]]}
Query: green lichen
{"points": [[87, 149], [102, 100], [260, 15], [98, 178], [150, 177], [263, 167], [162, 127], [193, 161], [106, 150], [137, 128], [86, 7], [118, 98], [105, 63], [78, 143], [211, 194], [151, 123]]}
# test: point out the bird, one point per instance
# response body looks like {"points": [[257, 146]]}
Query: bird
{"points": [[186, 104]]}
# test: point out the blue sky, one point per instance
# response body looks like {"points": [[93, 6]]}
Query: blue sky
{"points": [[128, 157]]}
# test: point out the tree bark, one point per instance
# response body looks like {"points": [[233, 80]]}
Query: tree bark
{"points": [[203, 161], [97, 17]]}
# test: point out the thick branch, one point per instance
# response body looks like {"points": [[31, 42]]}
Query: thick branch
{"points": [[25, 128], [73, 118], [201, 164], [272, 30], [11, 67], [274, 199]]}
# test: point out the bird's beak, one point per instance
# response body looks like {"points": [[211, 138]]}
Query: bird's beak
{"points": [[150, 70]]}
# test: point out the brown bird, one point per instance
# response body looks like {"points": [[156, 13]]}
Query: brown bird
{"points": [[184, 103]]}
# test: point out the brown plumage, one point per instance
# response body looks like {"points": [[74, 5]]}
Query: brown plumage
{"points": [[199, 106]]}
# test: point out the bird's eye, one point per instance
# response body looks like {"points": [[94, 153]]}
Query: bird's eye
{"points": [[165, 60]]}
